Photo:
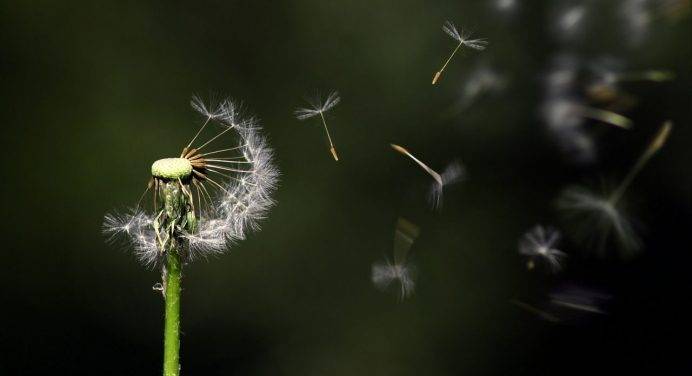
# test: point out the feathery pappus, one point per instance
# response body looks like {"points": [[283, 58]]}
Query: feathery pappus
{"points": [[453, 173], [464, 39], [222, 186], [540, 244], [603, 215], [400, 271], [319, 108]]}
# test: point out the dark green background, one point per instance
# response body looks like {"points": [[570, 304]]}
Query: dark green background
{"points": [[93, 92]]}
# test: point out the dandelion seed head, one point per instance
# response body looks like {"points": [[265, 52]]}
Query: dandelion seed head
{"points": [[225, 206], [540, 242]]}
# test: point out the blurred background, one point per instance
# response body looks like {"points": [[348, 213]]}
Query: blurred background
{"points": [[94, 92]]}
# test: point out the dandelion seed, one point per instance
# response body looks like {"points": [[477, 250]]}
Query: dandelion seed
{"points": [[604, 214], [539, 243], [319, 108], [453, 173], [464, 39], [401, 272]]}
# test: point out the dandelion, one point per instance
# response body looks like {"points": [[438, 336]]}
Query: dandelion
{"points": [[201, 201], [453, 173], [604, 213], [400, 271], [539, 243], [464, 39], [319, 108]]}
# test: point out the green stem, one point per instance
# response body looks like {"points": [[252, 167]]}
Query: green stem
{"points": [[171, 342]]}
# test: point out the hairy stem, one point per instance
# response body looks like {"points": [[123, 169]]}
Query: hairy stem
{"points": [[171, 342]]}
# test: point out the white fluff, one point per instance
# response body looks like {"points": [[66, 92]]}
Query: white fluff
{"points": [[232, 213]]}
